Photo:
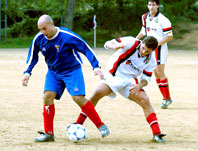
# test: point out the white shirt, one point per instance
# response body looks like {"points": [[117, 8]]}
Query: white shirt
{"points": [[158, 27], [128, 63]]}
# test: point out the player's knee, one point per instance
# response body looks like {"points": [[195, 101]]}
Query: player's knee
{"points": [[78, 98], [98, 93], [159, 73], [145, 102], [48, 98]]}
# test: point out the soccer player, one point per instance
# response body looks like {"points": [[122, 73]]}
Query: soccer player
{"points": [[132, 59], [156, 24], [60, 47]]}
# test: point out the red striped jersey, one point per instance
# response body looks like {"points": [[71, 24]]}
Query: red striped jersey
{"points": [[127, 62], [159, 26]]}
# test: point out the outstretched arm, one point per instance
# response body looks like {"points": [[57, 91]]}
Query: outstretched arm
{"points": [[112, 44]]}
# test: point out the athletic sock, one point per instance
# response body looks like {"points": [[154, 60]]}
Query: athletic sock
{"points": [[160, 86], [48, 117], [165, 88], [90, 111], [81, 118], [152, 120]]}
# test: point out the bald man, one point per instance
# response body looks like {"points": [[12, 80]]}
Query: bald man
{"points": [[60, 48]]}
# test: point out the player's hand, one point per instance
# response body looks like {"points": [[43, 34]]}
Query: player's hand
{"points": [[134, 89], [25, 80], [99, 73], [113, 45]]}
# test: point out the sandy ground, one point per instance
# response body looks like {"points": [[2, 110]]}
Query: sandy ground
{"points": [[21, 109]]}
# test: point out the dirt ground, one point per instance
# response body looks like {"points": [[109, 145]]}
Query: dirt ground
{"points": [[21, 109]]}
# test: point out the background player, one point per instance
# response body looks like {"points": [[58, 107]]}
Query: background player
{"points": [[60, 47], [132, 59], [156, 24]]}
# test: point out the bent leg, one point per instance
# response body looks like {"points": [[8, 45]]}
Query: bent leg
{"points": [[142, 99], [101, 91]]}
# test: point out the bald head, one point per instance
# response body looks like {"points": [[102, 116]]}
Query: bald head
{"points": [[45, 19], [46, 26]]}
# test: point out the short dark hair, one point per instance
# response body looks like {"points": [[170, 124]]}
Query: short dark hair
{"points": [[150, 42], [157, 1]]}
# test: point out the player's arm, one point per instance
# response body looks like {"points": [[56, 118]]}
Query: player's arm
{"points": [[85, 49], [114, 44], [25, 79], [142, 32], [32, 60], [145, 77], [167, 30], [123, 43], [140, 35], [165, 40], [134, 89]]}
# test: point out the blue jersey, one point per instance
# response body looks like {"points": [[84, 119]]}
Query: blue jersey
{"points": [[60, 52]]}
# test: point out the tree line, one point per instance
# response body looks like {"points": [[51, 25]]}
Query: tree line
{"points": [[112, 15]]}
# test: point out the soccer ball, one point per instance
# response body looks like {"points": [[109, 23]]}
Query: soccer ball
{"points": [[76, 132]]}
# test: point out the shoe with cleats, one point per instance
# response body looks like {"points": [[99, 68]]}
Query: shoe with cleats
{"points": [[166, 103], [44, 137], [104, 130], [158, 138]]}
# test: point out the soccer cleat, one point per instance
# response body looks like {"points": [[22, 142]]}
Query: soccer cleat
{"points": [[158, 138], [166, 103], [44, 137], [104, 130]]}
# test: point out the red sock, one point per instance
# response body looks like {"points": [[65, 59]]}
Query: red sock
{"points": [[152, 120], [48, 117], [165, 88], [81, 118], [160, 86], [90, 111]]}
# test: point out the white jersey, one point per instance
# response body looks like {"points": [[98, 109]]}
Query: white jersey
{"points": [[128, 63], [158, 27]]}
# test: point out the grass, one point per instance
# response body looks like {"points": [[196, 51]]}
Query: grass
{"points": [[24, 42], [21, 42], [101, 38]]}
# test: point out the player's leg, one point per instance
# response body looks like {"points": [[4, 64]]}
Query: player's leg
{"points": [[53, 89], [76, 87], [101, 91], [161, 57], [142, 99], [89, 110], [163, 85]]}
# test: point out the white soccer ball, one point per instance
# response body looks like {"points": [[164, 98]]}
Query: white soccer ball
{"points": [[76, 132]]}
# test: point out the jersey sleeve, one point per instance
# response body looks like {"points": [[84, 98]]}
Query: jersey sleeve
{"points": [[128, 42], [143, 29], [32, 57], [148, 71], [167, 27], [81, 46]]}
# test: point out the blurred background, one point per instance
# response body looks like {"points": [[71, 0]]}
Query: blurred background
{"points": [[115, 18]]}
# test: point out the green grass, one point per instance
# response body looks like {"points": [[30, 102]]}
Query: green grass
{"points": [[101, 37], [88, 36], [24, 42], [21, 42]]}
